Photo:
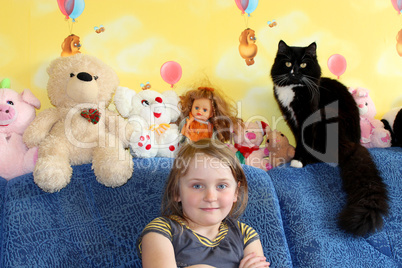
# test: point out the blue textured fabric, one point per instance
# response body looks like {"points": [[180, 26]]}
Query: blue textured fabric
{"points": [[89, 225], [310, 199], [263, 214]]}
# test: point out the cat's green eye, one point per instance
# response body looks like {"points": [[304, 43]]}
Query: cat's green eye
{"points": [[288, 64], [303, 65]]}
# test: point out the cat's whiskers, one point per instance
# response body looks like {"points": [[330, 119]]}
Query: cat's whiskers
{"points": [[280, 80], [311, 86]]}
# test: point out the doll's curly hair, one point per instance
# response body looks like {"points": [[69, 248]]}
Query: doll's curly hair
{"points": [[224, 110]]}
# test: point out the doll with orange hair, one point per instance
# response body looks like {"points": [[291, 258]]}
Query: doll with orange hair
{"points": [[206, 113]]}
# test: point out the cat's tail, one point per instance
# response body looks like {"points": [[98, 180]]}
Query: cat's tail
{"points": [[367, 196]]}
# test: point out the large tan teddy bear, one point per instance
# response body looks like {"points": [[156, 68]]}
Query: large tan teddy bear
{"points": [[80, 129]]}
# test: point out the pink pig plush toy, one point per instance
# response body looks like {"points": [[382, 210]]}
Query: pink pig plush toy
{"points": [[373, 133], [16, 112]]}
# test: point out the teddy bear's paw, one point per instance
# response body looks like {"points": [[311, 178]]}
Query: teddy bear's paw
{"points": [[380, 138], [113, 172], [30, 159], [296, 163], [52, 175], [143, 146], [168, 150], [269, 166]]}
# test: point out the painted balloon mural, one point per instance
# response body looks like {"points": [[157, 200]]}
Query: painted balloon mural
{"points": [[337, 64], [171, 72], [247, 6], [71, 8]]}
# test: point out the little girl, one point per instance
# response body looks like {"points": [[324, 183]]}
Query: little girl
{"points": [[204, 110], [205, 193]]}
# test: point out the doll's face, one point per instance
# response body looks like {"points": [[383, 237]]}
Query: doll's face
{"points": [[202, 109]]}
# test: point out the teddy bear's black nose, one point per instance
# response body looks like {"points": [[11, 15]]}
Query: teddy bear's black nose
{"points": [[86, 77]]}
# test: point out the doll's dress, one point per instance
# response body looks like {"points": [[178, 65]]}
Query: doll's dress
{"points": [[197, 129]]}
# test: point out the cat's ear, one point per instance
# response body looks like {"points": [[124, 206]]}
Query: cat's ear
{"points": [[282, 47], [312, 50]]}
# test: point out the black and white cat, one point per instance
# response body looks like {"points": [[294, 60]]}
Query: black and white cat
{"points": [[324, 119]]}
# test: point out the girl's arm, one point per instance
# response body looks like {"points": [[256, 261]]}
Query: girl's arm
{"points": [[157, 251], [254, 256]]}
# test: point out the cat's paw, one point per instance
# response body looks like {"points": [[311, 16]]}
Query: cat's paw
{"points": [[296, 164]]}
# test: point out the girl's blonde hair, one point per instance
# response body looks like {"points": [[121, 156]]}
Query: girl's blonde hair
{"points": [[211, 148], [224, 111]]}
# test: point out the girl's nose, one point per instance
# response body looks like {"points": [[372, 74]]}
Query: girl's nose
{"points": [[210, 195]]}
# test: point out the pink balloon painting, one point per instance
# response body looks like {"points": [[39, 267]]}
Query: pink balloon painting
{"points": [[171, 72], [337, 64]]}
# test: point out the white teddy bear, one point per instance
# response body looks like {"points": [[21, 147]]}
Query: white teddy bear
{"points": [[153, 113]]}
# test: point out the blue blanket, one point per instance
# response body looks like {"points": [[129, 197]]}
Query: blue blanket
{"points": [[310, 200], [294, 210]]}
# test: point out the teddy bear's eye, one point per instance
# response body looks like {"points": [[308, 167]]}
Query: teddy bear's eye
{"points": [[96, 77], [145, 103], [10, 102], [366, 104], [72, 75], [282, 135], [267, 140]]}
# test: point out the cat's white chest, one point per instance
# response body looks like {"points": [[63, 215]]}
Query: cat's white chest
{"points": [[285, 96]]}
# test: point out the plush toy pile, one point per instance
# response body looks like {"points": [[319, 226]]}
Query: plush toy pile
{"points": [[80, 129], [16, 112], [151, 113]]}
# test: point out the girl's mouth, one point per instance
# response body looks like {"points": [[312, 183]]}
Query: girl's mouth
{"points": [[209, 209]]}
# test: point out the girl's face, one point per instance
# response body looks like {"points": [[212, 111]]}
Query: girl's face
{"points": [[207, 192], [202, 109]]}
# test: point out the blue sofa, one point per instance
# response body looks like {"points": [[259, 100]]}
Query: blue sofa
{"points": [[294, 210]]}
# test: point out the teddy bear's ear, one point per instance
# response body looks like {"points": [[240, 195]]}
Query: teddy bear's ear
{"points": [[352, 90], [171, 99], [122, 100], [30, 98]]}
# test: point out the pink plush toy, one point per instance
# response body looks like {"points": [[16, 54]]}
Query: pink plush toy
{"points": [[247, 144], [16, 112], [373, 133]]}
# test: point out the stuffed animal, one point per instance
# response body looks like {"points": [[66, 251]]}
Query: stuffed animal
{"points": [[16, 112], [373, 133], [247, 47], [247, 142], [153, 113], [393, 123], [70, 46], [80, 129], [278, 149]]}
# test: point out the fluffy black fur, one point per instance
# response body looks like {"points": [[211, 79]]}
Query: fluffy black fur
{"points": [[395, 129], [324, 119]]}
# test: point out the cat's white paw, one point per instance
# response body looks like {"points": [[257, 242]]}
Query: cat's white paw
{"points": [[296, 164]]}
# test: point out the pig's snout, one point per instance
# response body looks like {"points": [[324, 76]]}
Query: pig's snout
{"points": [[7, 114], [251, 135]]}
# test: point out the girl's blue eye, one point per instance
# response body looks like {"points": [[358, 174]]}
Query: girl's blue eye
{"points": [[197, 186], [222, 186], [197, 108], [10, 102], [205, 110]]}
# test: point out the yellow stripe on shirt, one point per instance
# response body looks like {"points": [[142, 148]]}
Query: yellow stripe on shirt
{"points": [[247, 231]]}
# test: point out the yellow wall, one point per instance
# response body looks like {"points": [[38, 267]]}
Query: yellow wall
{"points": [[202, 35]]}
